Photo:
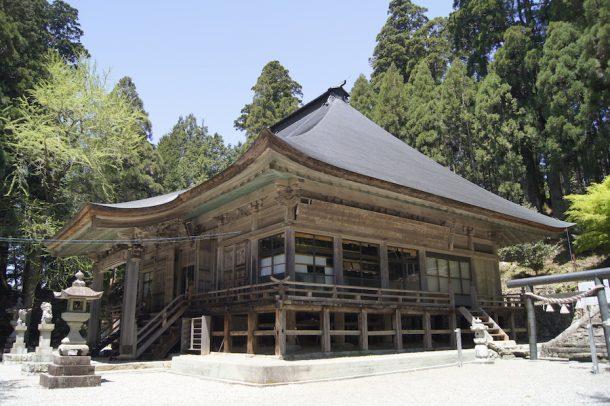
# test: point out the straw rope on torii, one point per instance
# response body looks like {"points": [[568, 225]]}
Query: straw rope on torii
{"points": [[566, 300]]}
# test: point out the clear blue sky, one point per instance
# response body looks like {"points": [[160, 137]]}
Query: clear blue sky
{"points": [[204, 57]]}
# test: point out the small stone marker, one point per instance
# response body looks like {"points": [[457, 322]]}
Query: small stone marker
{"points": [[72, 368], [20, 329], [44, 351], [18, 352]]}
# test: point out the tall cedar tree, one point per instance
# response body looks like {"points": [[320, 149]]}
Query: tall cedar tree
{"points": [[421, 124], [275, 96], [407, 38], [362, 96], [190, 155], [389, 108], [140, 177], [457, 120]]}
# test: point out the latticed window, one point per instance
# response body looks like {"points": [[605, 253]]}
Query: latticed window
{"points": [[272, 257], [403, 268], [442, 272], [361, 263], [314, 258]]}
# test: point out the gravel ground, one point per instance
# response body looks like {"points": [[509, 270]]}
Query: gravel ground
{"points": [[507, 382]]}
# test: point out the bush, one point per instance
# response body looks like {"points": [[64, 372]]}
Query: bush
{"points": [[529, 255]]}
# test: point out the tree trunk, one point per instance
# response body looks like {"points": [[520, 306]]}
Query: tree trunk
{"points": [[31, 276], [532, 179], [3, 266], [557, 203]]}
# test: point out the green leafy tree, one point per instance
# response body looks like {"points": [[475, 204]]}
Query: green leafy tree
{"points": [[457, 120], [28, 29], [498, 122], [407, 38], [530, 255], [275, 96], [191, 155], [562, 94], [69, 141], [591, 212], [476, 28], [362, 96], [389, 108], [517, 63], [141, 172], [127, 89], [421, 124]]}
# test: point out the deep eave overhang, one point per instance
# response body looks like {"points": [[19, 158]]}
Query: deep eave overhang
{"points": [[268, 140]]}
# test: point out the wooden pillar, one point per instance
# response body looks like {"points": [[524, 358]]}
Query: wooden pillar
{"points": [[423, 279], [513, 325], [291, 324], [93, 326], [325, 327], [339, 319], [338, 260], [254, 261], [196, 267], [227, 332], [252, 326], [387, 326], [427, 331], [129, 334], [452, 327], [363, 326], [383, 265], [398, 330], [280, 332], [290, 252]]}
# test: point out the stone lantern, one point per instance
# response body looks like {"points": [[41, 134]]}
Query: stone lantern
{"points": [[72, 368], [481, 352], [78, 296]]}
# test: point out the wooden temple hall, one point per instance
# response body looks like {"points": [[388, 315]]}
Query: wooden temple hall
{"points": [[329, 234]]}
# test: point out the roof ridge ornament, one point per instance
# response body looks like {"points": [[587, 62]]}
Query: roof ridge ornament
{"points": [[337, 92]]}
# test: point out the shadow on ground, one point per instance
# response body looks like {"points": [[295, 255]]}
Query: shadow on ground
{"points": [[8, 389]]}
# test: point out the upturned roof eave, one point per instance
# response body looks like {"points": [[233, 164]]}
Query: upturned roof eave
{"points": [[268, 140]]}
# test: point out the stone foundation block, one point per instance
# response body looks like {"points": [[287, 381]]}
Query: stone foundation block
{"points": [[64, 370], [57, 382], [72, 360]]}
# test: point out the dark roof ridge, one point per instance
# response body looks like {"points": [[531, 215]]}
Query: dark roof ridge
{"points": [[336, 92]]}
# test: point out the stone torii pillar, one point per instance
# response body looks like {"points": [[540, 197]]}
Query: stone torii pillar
{"points": [[129, 334]]}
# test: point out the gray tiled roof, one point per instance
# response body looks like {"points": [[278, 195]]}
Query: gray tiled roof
{"points": [[330, 130]]}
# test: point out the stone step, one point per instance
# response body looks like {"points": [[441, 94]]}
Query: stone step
{"points": [[72, 360], [55, 382], [67, 370]]}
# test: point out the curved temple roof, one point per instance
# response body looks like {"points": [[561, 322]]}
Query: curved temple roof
{"points": [[330, 130]]}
